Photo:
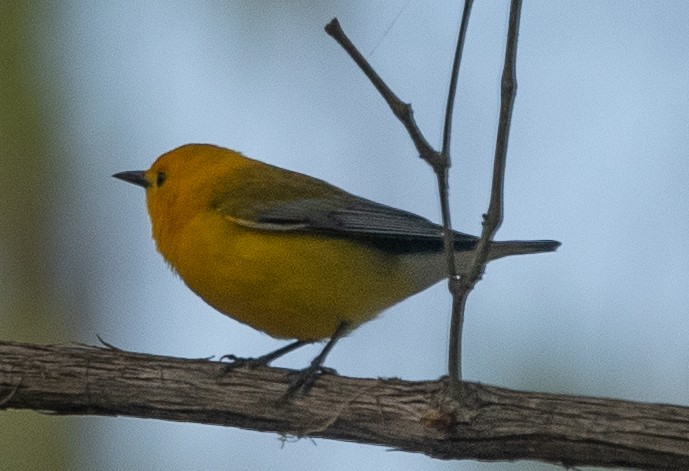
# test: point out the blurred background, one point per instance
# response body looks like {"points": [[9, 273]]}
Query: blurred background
{"points": [[597, 159]]}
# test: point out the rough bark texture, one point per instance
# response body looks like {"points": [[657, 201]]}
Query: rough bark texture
{"points": [[494, 424]]}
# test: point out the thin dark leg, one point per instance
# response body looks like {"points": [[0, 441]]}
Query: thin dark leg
{"points": [[304, 380], [263, 360]]}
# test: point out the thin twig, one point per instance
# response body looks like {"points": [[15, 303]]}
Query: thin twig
{"points": [[493, 219], [442, 171], [403, 111], [449, 107], [442, 174]]}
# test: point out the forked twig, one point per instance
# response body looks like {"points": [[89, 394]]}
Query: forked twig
{"points": [[454, 364], [493, 218], [440, 162]]}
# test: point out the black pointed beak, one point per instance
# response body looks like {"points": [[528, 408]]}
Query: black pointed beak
{"points": [[137, 177]]}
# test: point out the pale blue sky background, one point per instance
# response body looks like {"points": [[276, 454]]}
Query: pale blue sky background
{"points": [[598, 159]]}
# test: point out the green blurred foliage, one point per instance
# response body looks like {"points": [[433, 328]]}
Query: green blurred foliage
{"points": [[28, 307]]}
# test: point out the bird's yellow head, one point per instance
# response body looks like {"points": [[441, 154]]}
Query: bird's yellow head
{"points": [[181, 183]]}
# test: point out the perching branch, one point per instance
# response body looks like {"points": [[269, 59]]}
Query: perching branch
{"points": [[496, 424]]}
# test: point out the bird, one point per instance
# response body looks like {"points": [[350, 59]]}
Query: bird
{"points": [[291, 255]]}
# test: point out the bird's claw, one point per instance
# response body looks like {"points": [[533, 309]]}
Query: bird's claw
{"points": [[301, 382]]}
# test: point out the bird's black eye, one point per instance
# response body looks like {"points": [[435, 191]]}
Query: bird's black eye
{"points": [[160, 178]]}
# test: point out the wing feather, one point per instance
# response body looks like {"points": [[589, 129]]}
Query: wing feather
{"points": [[318, 207]]}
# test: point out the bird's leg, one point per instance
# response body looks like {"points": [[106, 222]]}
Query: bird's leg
{"points": [[263, 360], [302, 381]]}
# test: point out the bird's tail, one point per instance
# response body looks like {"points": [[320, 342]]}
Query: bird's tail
{"points": [[427, 270], [521, 247]]}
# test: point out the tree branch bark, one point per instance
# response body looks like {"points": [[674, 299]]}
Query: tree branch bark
{"points": [[495, 424]]}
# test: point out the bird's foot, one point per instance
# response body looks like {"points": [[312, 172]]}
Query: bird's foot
{"points": [[301, 382]]}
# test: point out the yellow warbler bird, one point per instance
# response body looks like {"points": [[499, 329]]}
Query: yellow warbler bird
{"points": [[288, 254]]}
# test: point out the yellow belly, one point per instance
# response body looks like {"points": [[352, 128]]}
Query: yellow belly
{"points": [[288, 285]]}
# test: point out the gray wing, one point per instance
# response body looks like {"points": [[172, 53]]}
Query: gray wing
{"points": [[304, 204], [380, 225], [360, 216]]}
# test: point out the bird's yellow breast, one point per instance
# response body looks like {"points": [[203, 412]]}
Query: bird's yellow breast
{"points": [[289, 285]]}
